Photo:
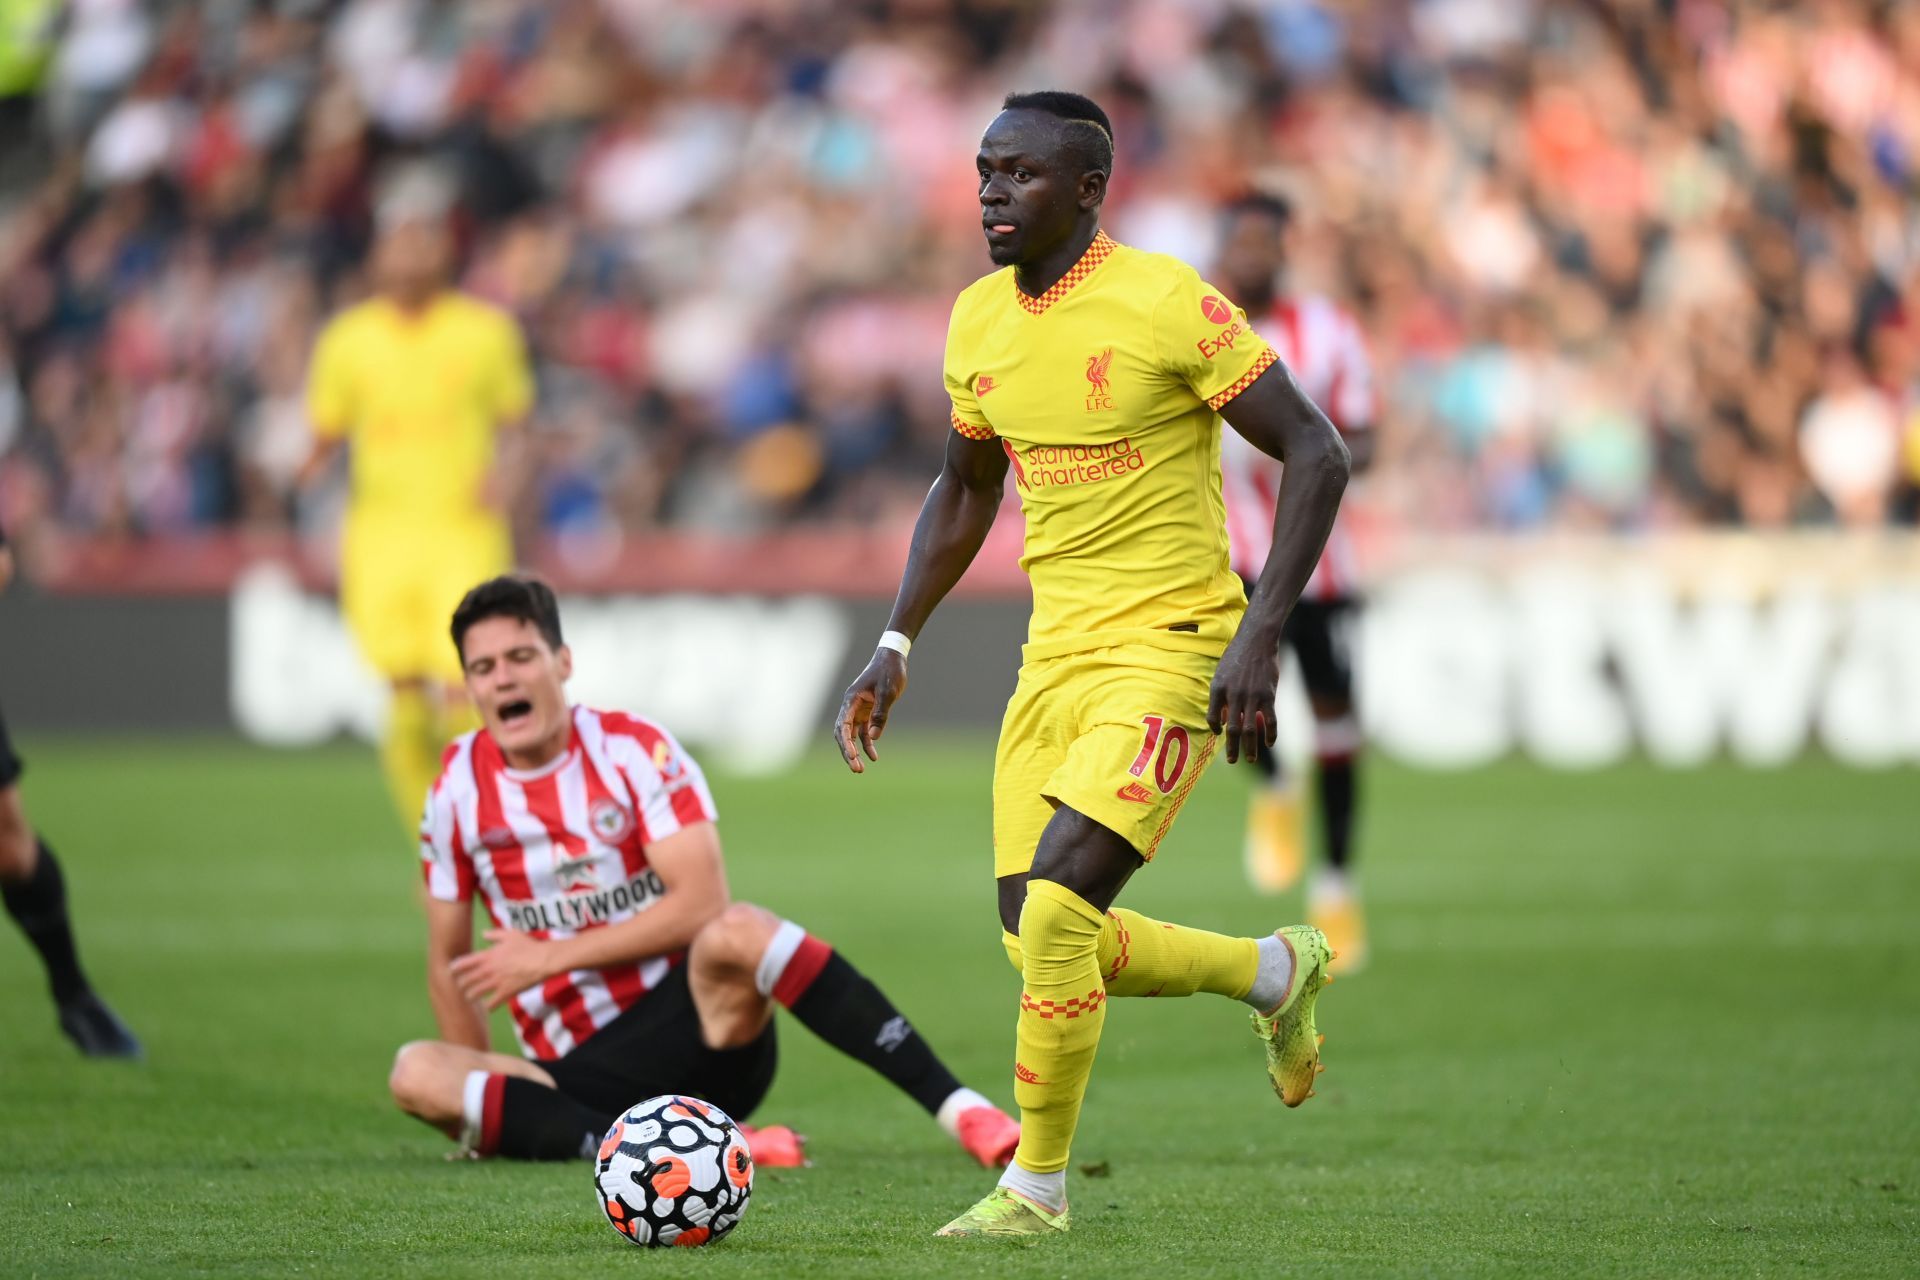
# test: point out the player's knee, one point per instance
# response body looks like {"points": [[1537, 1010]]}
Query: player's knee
{"points": [[736, 938], [414, 1077], [1012, 892]]}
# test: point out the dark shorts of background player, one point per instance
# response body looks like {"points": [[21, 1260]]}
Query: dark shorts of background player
{"points": [[1320, 634], [10, 766], [655, 1048]]}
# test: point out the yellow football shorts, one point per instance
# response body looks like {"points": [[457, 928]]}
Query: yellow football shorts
{"points": [[399, 587], [1118, 734]]}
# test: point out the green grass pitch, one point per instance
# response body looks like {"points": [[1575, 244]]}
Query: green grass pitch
{"points": [[1622, 1023]]}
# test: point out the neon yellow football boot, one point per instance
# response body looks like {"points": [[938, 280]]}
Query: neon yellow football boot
{"points": [[1275, 846], [1006, 1212], [1288, 1031]]}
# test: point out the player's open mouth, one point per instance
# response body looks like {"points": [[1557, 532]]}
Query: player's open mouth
{"points": [[514, 712]]}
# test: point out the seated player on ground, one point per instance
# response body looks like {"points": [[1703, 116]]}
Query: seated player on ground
{"points": [[590, 837]]}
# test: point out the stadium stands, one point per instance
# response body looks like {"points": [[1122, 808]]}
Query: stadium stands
{"points": [[1637, 266]]}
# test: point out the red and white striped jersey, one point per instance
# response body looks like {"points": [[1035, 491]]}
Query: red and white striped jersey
{"points": [[1323, 348], [563, 849]]}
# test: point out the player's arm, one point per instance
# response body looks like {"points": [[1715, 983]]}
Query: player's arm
{"points": [[953, 524], [1277, 418], [329, 405], [689, 865], [449, 937]]}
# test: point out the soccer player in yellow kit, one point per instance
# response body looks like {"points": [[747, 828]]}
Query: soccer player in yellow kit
{"points": [[425, 386], [1092, 372]]}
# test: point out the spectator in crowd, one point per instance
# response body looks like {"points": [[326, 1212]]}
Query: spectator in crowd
{"points": [[1640, 265]]}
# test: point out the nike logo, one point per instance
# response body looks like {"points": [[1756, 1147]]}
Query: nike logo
{"points": [[1025, 1075], [984, 385], [1134, 791]]}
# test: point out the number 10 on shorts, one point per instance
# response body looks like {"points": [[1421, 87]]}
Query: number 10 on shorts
{"points": [[1173, 746]]}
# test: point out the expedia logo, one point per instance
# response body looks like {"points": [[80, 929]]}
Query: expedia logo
{"points": [[1222, 341], [577, 910], [1215, 308]]}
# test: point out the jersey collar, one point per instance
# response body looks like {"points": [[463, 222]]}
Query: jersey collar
{"points": [[1095, 255]]}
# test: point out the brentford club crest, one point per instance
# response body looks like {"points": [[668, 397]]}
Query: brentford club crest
{"points": [[611, 822]]}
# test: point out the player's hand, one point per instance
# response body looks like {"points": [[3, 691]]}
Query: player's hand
{"points": [[512, 964], [863, 712], [1240, 703]]}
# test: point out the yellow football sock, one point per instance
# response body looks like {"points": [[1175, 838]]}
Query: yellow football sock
{"points": [[1139, 956], [1062, 1008], [409, 756]]}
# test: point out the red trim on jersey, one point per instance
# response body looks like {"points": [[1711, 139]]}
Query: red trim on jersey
{"points": [[808, 959], [491, 1098]]}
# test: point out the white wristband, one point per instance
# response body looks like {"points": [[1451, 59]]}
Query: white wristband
{"points": [[896, 641]]}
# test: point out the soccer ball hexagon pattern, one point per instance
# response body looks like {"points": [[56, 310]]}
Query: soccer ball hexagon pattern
{"points": [[673, 1171]]}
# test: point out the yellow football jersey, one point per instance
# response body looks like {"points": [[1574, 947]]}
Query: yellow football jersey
{"points": [[1103, 392], [420, 399]]}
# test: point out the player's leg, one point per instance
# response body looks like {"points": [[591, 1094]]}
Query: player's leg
{"points": [[1130, 773], [34, 891], [385, 597], [450, 1087], [473, 552], [748, 958], [1274, 849], [1333, 902], [653, 1047]]}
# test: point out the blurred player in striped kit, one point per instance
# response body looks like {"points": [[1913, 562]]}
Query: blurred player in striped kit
{"points": [[424, 387], [1323, 346], [35, 894]]}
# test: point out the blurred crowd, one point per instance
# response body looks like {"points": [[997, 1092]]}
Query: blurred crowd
{"points": [[1629, 265]]}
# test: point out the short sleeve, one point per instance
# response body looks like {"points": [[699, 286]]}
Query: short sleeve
{"points": [[443, 855], [668, 787], [1205, 341], [512, 382], [330, 384], [963, 384]]}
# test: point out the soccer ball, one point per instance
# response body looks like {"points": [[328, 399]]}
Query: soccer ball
{"points": [[673, 1171]]}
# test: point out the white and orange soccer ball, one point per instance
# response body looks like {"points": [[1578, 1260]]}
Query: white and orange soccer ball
{"points": [[673, 1171]]}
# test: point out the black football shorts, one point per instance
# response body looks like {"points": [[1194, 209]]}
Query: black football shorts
{"points": [[655, 1048]]}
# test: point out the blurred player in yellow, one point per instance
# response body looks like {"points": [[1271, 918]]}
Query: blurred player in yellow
{"points": [[425, 387], [1092, 372]]}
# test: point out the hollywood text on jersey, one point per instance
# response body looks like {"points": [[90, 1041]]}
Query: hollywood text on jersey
{"points": [[579, 910]]}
